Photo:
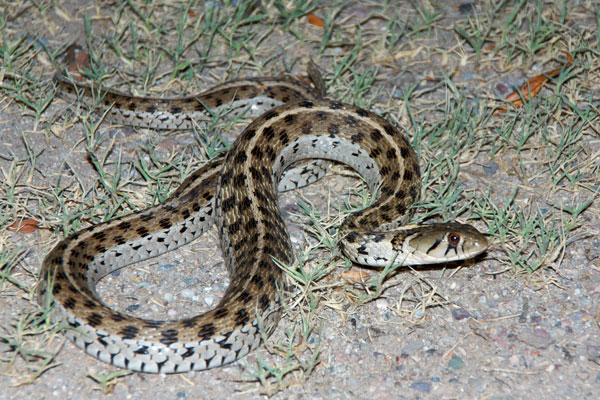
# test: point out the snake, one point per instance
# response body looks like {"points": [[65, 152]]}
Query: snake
{"points": [[292, 122]]}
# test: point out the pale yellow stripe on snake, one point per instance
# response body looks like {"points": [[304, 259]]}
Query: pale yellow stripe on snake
{"points": [[241, 196]]}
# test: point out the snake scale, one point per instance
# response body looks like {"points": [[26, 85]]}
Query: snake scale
{"points": [[239, 194]]}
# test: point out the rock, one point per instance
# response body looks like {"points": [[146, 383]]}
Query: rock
{"points": [[460, 314], [593, 353], [456, 363], [412, 347], [187, 293], [424, 387], [132, 308], [490, 168], [166, 267]]}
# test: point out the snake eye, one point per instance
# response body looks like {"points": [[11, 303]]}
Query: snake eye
{"points": [[453, 239]]}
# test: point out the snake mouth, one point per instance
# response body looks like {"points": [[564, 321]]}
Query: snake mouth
{"points": [[415, 245], [448, 242]]}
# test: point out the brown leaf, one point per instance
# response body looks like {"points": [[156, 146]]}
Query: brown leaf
{"points": [[24, 226], [76, 59], [532, 87], [356, 276], [314, 20]]}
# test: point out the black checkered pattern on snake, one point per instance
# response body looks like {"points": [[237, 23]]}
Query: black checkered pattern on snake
{"points": [[239, 194]]}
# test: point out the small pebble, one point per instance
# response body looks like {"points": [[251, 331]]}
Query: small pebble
{"points": [[187, 293], [514, 361], [576, 316], [460, 314], [456, 363], [412, 347], [382, 304], [353, 323], [166, 267], [168, 296], [431, 351], [490, 168], [568, 329], [424, 387], [502, 88], [466, 8], [132, 307], [348, 349], [541, 333], [209, 299], [144, 284], [154, 308], [190, 281], [291, 208]]}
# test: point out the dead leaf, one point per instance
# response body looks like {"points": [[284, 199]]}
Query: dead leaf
{"points": [[406, 54], [355, 276], [76, 59], [314, 20], [24, 226], [532, 87]]}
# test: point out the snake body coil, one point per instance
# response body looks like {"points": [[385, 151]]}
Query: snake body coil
{"points": [[240, 195]]}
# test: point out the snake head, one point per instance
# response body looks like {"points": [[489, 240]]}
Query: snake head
{"points": [[440, 243], [415, 245]]}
